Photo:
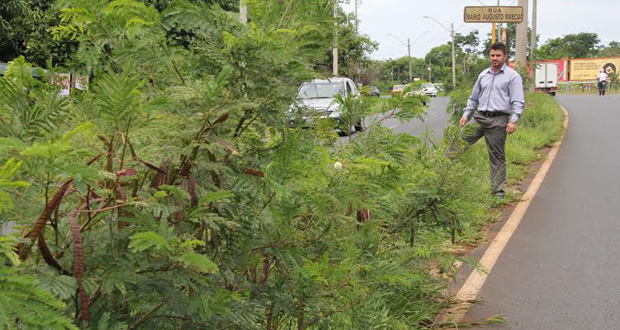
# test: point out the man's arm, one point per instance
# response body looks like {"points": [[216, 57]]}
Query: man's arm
{"points": [[517, 98], [472, 102]]}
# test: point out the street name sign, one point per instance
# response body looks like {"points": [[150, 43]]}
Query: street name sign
{"points": [[490, 14]]}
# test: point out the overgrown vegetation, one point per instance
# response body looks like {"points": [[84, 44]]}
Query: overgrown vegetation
{"points": [[171, 195]]}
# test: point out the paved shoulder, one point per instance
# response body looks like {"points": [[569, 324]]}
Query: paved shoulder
{"points": [[561, 268]]}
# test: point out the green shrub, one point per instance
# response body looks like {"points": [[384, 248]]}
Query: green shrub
{"points": [[172, 195]]}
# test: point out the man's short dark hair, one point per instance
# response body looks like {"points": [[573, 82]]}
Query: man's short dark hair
{"points": [[499, 46]]}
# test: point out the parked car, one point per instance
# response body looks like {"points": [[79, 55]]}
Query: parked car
{"points": [[429, 90], [397, 89], [374, 91], [415, 90], [316, 99]]}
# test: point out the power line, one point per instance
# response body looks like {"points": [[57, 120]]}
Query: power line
{"points": [[477, 26]]}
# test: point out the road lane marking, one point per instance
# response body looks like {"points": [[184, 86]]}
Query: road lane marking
{"points": [[470, 290]]}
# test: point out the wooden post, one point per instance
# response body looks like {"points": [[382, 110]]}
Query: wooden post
{"points": [[521, 48]]}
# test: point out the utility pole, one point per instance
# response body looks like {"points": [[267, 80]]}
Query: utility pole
{"points": [[356, 24], [335, 52], [408, 45], [533, 41], [453, 57], [409, 59], [521, 48], [533, 45], [243, 11], [498, 29], [500, 32], [451, 30], [430, 72]]}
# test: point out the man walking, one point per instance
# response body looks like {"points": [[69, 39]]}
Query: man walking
{"points": [[602, 82], [499, 100]]}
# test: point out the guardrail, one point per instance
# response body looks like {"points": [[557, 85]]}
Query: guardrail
{"points": [[585, 87]]}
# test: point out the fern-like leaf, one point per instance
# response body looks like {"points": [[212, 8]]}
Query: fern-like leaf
{"points": [[148, 240], [199, 262], [25, 306]]}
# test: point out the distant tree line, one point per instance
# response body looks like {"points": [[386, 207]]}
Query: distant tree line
{"points": [[471, 57]]}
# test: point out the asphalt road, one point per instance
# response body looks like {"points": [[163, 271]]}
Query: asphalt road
{"points": [[561, 269], [435, 120], [7, 228]]}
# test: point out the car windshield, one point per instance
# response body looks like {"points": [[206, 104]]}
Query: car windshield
{"points": [[321, 90], [429, 86]]}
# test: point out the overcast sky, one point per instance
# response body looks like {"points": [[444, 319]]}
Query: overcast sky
{"points": [[404, 18]]}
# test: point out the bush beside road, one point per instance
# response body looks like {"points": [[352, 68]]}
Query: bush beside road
{"points": [[377, 214], [163, 204], [433, 208]]}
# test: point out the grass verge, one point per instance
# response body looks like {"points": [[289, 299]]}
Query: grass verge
{"points": [[375, 104]]}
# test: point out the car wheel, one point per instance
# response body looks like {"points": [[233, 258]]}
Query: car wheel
{"points": [[344, 131], [359, 127]]}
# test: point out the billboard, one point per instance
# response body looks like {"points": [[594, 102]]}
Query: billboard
{"points": [[64, 81], [81, 81], [588, 68], [562, 68]]}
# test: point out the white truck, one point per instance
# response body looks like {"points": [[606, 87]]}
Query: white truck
{"points": [[546, 77]]}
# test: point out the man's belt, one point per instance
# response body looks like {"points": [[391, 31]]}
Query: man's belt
{"points": [[493, 113]]}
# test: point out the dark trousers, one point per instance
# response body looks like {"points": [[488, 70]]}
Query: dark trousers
{"points": [[602, 85], [494, 131]]}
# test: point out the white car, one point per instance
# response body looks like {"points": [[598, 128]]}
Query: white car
{"points": [[317, 99], [415, 90], [430, 90]]}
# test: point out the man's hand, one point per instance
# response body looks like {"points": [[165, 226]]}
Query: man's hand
{"points": [[463, 121], [511, 127]]}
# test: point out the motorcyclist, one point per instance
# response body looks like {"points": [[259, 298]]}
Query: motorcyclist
{"points": [[602, 82]]}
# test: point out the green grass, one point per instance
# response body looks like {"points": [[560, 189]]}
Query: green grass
{"points": [[375, 104], [587, 89]]}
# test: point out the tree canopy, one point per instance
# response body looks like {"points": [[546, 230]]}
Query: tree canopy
{"points": [[172, 193], [579, 45]]}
